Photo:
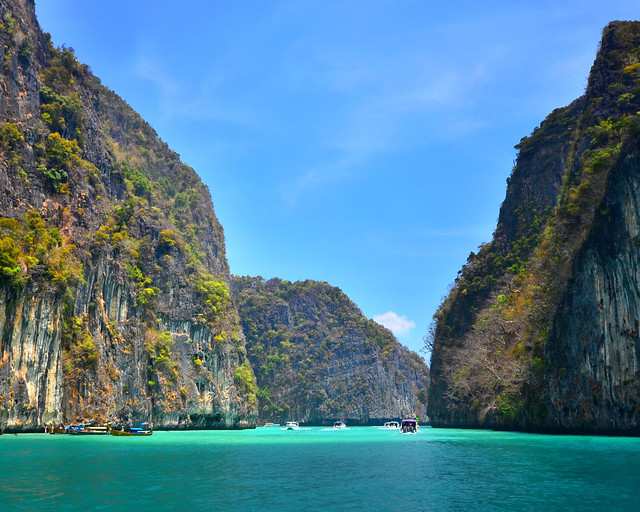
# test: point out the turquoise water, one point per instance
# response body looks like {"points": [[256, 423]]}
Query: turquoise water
{"points": [[362, 468]]}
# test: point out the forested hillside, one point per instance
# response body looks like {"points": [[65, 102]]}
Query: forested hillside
{"points": [[318, 359]]}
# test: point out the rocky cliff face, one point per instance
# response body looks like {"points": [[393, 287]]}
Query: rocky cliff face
{"points": [[540, 331], [114, 285], [317, 359]]}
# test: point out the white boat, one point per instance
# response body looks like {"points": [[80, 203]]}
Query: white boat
{"points": [[292, 425], [409, 426], [270, 425], [393, 425], [339, 425]]}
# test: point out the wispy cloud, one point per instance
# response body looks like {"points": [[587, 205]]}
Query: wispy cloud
{"points": [[196, 100], [319, 177], [398, 325]]}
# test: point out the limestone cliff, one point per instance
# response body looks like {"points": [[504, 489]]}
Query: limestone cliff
{"points": [[540, 331], [114, 285], [317, 359]]}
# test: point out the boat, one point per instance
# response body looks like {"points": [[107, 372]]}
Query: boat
{"points": [[144, 430], [339, 425], [87, 429], [55, 430], [292, 425], [409, 426], [393, 425], [270, 425]]}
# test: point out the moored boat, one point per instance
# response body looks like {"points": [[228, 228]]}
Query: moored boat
{"points": [[292, 425], [144, 430], [270, 425], [393, 425], [338, 425], [55, 430], [88, 429]]}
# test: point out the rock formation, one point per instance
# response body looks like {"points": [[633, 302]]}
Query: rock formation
{"points": [[114, 285], [540, 331], [317, 359]]}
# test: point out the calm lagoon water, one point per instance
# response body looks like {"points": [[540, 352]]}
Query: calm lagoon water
{"points": [[362, 468]]}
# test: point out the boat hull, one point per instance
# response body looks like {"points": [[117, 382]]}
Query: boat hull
{"points": [[93, 432], [124, 433]]}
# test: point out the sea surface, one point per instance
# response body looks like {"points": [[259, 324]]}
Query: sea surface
{"points": [[359, 468]]}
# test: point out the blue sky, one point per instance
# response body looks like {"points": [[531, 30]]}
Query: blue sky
{"points": [[361, 143]]}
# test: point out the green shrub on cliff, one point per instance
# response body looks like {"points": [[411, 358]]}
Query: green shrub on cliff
{"points": [[79, 350], [11, 142], [245, 382], [62, 114], [29, 243], [214, 293]]}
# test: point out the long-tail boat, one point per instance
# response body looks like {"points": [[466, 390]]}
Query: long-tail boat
{"points": [[87, 429], [144, 430]]}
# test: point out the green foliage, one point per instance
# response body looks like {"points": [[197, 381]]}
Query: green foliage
{"points": [[56, 179], [509, 406], [158, 347], [168, 186], [138, 183], [144, 292], [62, 153], [9, 258], [29, 243], [214, 293], [79, 350], [9, 23], [245, 382], [63, 72], [11, 142], [123, 214], [167, 240], [25, 51], [62, 114]]}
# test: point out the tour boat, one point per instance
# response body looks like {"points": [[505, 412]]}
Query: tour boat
{"points": [[394, 425], [292, 425], [143, 430], [86, 429], [269, 425], [339, 425], [409, 426]]}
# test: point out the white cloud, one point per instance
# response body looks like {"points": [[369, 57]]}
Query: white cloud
{"points": [[397, 324]]}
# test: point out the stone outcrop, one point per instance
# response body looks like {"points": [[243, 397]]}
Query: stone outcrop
{"points": [[540, 331]]}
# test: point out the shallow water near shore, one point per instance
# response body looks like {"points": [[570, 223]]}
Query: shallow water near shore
{"points": [[359, 468]]}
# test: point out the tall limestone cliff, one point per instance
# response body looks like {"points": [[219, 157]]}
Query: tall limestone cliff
{"points": [[318, 359], [541, 328], [114, 285]]}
